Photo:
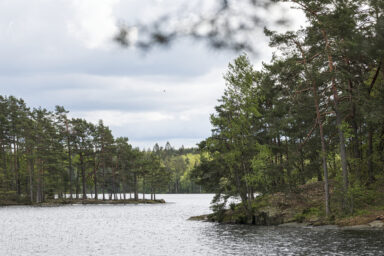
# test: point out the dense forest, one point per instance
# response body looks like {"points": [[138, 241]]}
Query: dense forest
{"points": [[45, 154], [315, 113]]}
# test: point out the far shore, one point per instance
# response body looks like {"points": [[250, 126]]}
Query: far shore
{"points": [[59, 202]]}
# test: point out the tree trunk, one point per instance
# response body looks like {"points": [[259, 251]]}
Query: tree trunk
{"points": [[4, 158], [243, 195], [124, 186], [343, 154], [136, 192], [16, 167], [355, 139], [321, 130], [69, 162], [95, 179], [77, 184], [114, 178], [289, 171], [143, 188], [83, 175], [370, 155], [30, 174], [323, 151], [302, 169], [103, 179], [39, 198]]}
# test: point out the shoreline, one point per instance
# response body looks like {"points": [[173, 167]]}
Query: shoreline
{"points": [[62, 202], [377, 224], [303, 207]]}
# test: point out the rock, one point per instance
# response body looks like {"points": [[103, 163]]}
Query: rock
{"points": [[314, 219], [294, 225], [200, 218], [356, 227], [328, 227], [267, 218], [376, 224]]}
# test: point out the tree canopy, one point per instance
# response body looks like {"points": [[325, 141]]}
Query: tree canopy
{"points": [[45, 154], [315, 112]]}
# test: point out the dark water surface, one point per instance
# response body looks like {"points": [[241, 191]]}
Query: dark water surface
{"points": [[164, 230]]}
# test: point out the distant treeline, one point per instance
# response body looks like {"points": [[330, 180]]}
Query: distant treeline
{"points": [[44, 153], [315, 113]]}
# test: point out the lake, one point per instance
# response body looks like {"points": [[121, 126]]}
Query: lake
{"points": [[163, 229]]}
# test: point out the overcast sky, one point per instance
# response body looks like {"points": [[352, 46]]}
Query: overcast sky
{"points": [[61, 53]]}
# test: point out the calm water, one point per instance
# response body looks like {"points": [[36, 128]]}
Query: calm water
{"points": [[164, 230]]}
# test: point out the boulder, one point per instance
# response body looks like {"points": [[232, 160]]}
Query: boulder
{"points": [[356, 227], [376, 224], [294, 225]]}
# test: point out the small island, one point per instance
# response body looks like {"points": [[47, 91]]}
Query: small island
{"points": [[60, 202]]}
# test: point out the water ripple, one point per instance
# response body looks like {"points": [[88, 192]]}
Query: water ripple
{"points": [[164, 230]]}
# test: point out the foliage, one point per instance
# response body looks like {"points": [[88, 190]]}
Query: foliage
{"points": [[315, 112], [44, 154]]}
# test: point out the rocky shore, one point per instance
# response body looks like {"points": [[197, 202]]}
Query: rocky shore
{"points": [[301, 208], [376, 224]]}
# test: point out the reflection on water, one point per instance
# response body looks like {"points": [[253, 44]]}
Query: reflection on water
{"points": [[164, 230]]}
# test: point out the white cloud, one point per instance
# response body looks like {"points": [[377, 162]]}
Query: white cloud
{"points": [[148, 108], [93, 22]]}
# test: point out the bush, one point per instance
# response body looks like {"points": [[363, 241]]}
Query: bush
{"points": [[360, 197], [11, 197]]}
